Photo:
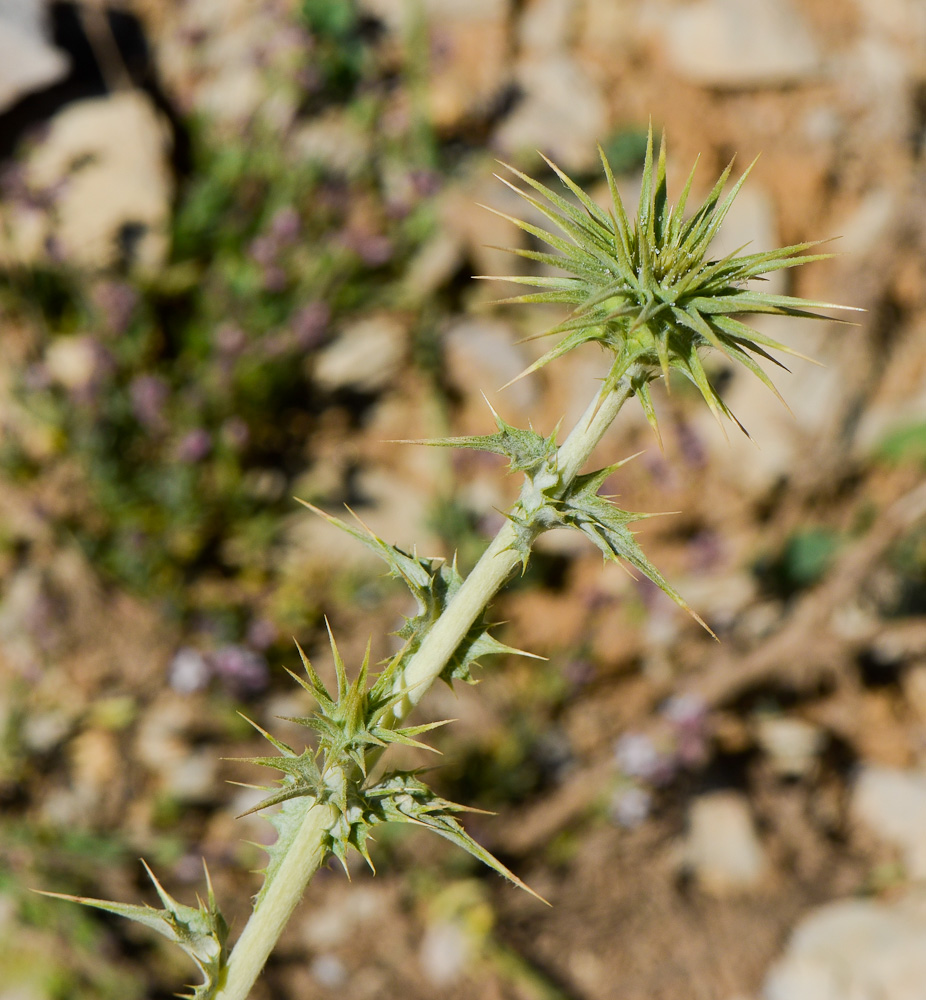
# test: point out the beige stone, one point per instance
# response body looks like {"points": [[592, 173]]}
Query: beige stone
{"points": [[105, 160], [722, 848], [563, 113], [27, 61], [740, 43]]}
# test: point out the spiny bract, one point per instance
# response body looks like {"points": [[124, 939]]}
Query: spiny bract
{"points": [[647, 290]]}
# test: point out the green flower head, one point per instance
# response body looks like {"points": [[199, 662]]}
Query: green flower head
{"points": [[649, 291]]}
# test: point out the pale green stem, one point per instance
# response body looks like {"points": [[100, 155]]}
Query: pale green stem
{"points": [[284, 891], [500, 559], [307, 852]]}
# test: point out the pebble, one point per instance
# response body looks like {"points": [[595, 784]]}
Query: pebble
{"points": [[734, 44], [545, 25], [329, 971], [27, 61], [563, 113], [855, 950], [722, 849], [105, 162], [335, 923], [891, 803], [365, 356], [792, 745], [445, 952], [482, 355]]}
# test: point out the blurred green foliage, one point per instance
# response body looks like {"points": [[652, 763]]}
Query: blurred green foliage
{"points": [[195, 418], [802, 561], [905, 444]]}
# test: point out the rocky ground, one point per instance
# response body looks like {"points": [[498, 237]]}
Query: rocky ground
{"points": [[236, 242]]}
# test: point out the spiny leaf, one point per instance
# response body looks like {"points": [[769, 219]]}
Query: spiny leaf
{"points": [[401, 797], [622, 277], [606, 525], [200, 931], [524, 449]]}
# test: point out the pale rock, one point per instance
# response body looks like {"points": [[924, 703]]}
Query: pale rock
{"points": [[445, 951], [481, 355], [563, 113], [722, 849], [432, 267], [365, 356], [72, 361], [545, 26], [437, 11], [469, 68], [869, 224], [855, 950], [228, 73], [901, 20], [891, 803], [24, 591], [27, 61], [914, 689], [193, 777], [329, 971], [734, 44], [162, 744], [43, 731], [469, 212], [400, 16], [720, 597], [778, 438], [607, 28], [333, 924], [332, 141], [396, 511], [792, 745], [107, 160], [874, 85]]}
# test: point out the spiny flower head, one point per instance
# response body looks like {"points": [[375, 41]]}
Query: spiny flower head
{"points": [[648, 290]]}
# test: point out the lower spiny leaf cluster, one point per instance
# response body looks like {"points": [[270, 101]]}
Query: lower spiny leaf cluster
{"points": [[200, 931], [335, 774]]}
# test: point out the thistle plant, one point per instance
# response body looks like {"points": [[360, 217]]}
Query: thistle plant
{"points": [[649, 293]]}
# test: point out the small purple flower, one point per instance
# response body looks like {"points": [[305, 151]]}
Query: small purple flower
{"points": [[261, 633], [310, 324], [275, 279], [116, 301], [194, 446], [230, 339], [148, 395], [286, 226], [688, 715], [425, 183], [36, 377], [374, 249], [638, 757], [236, 433], [631, 807], [691, 444], [188, 671], [686, 711], [241, 670], [263, 250]]}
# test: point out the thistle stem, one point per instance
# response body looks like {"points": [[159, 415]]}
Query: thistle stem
{"points": [[304, 857], [496, 565], [500, 559]]}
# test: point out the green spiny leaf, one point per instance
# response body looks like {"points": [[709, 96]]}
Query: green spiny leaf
{"points": [[200, 931], [648, 291], [401, 797]]}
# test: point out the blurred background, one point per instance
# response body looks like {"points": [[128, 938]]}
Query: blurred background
{"points": [[236, 247]]}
